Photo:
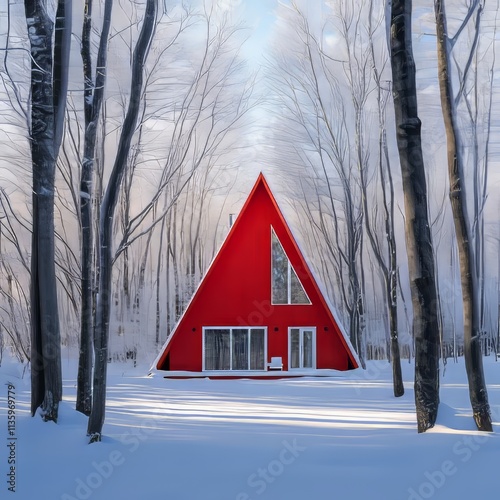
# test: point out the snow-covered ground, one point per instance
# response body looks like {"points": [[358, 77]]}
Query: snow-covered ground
{"points": [[312, 439]]}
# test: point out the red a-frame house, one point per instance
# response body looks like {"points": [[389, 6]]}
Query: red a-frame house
{"points": [[258, 310]]}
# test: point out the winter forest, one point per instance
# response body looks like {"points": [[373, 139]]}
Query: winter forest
{"points": [[132, 132]]}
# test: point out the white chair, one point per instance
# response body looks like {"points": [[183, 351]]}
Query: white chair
{"points": [[276, 363]]}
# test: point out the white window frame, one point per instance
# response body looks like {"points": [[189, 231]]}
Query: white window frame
{"points": [[301, 346], [289, 277], [231, 328]]}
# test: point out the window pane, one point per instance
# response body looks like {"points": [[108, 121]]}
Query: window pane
{"points": [[294, 348], [257, 349], [307, 349], [217, 354], [240, 349], [298, 295], [279, 271]]}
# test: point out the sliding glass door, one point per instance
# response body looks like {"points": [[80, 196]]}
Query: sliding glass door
{"points": [[234, 348]]}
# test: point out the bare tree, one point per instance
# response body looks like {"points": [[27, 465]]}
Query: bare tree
{"points": [[49, 77], [317, 136], [101, 335], [201, 117], [475, 71], [93, 98], [418, 237], [387, 260], [15, 268], [468, 270]]}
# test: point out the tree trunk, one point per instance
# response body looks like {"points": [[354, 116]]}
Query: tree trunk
{"points": [[93, 96], [389, 265], [49, 68], [470, 289], [392, 299], [101, 335], [418, 235], [158, 286]]}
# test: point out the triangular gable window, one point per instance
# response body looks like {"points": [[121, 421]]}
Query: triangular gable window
{"points": [[286, 287]]}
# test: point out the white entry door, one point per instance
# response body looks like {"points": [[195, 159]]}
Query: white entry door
{"points": [[301, 348]]}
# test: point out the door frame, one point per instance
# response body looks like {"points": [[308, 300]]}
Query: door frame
{"points": [[302, 329]]}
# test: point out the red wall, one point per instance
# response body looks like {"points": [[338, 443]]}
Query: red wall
{"points": [[237, 291]]}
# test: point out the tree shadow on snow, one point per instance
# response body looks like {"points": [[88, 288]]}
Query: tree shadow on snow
{"points": [[458, 419]]}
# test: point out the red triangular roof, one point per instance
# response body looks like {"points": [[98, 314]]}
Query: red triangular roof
{"points": [[241, 267]]}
